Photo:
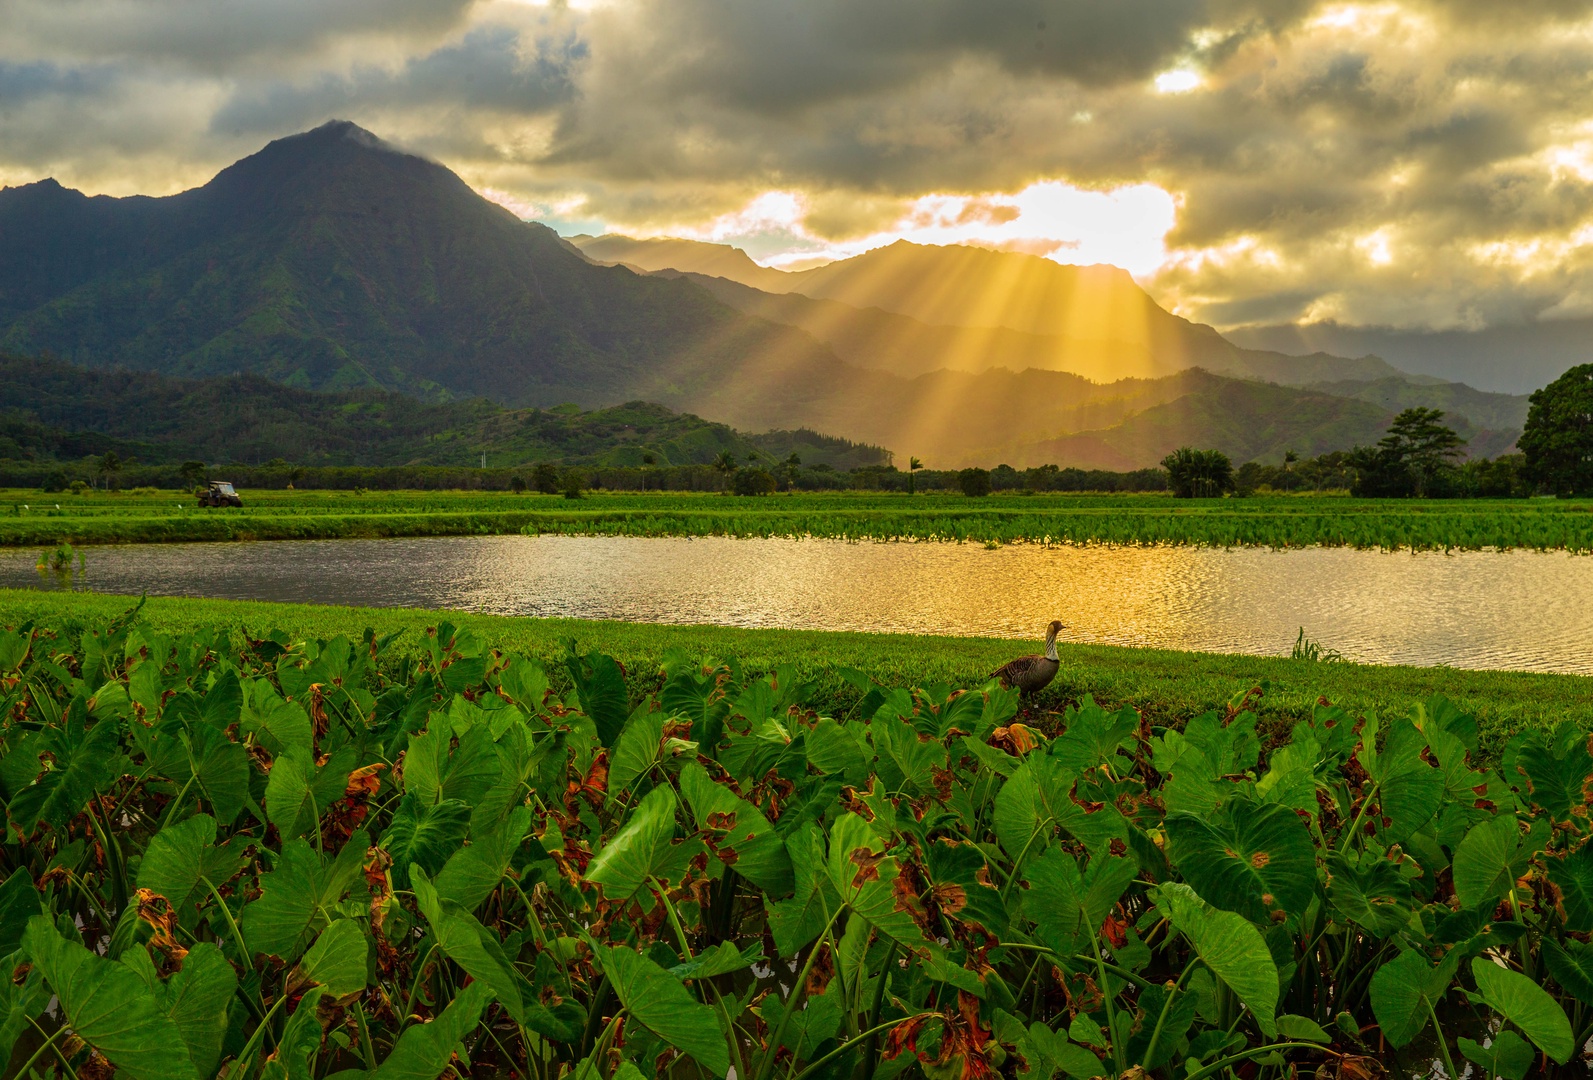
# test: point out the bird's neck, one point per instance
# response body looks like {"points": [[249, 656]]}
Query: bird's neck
{"points": [[1050, 647]]}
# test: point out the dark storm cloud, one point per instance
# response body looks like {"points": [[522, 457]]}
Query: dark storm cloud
{"points": [[490, 69], [1404, 163], [213, 35]]}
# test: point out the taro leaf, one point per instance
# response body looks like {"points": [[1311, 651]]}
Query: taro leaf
{"points": [[424, 837], [433, 774], [1492, 856], [799, 920], [1375, 895], [289, 803], [600, 686], [1256, 859], [297, 895], [1173, 1018], [1573, 876], [1572, 967], [1405, 992], [1301, 1029], [176, 859], [1526, 1005], [1409, 789], [476, 869], [1054, 1049], [834, 748], [1038, 797], [737, 832], [1230, 946], [1507, 1055], [282, 727], [337, 960], [640, 850], [19, 902], [223, 702], [721, 959], [109, 1007], [906, 761], [1094, 736], [699, 699], [636, 752], [19, 1003], [423, 1050], [221, 768], [85, 761], [1558, 769], [196, 999], [958, 879], [476, 949], [656, 1000], [1061, 900], [301, 1038]]}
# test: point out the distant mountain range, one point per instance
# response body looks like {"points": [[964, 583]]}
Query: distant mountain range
{"points": [[331, 261], [910, 308], [55, 412]]}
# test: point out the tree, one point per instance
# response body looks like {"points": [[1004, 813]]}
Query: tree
{"points": [[1198, 474], [913, 465], [517, 485], [975, 483], [545, 478], [1416, 457], [192, 473], [1558, 439], [109, 465], [753, 481], [725, 463]]}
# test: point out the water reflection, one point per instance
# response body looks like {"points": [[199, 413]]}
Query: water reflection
{"points": [[1485, 610]]}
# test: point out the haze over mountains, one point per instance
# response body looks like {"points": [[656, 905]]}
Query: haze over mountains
{"points": [[331, 261]]}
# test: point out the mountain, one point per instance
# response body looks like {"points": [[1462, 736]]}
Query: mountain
{"points": [[1495, 419], [911, 308], [54, 411], [331, 260], [1513, 358]]}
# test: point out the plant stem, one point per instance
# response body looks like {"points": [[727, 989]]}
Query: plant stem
{"points": [[1244, 1055], [1443, 1042]]}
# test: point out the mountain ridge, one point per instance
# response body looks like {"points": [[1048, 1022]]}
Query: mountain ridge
{"points": [[332, 261]]}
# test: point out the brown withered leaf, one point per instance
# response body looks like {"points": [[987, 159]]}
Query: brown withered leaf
{"points": [[822, 971], [867, 863]]}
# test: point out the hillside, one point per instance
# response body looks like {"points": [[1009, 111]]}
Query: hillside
{"points": [[910, 308], [1480, 408], [330, 260], [54, 411]]}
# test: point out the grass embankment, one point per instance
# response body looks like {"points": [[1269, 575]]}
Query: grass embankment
{"points": [[1168, 686], [30, 519]]}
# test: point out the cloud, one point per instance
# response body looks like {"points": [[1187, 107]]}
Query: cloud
{"points": [[1411, 163]]}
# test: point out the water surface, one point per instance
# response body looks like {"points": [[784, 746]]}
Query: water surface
{"points": [[1477, 609]]}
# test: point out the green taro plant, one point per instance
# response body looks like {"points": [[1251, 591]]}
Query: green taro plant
{"points": [[238, 856]]}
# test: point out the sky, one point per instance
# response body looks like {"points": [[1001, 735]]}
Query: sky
{"points": [[1415, 164]]}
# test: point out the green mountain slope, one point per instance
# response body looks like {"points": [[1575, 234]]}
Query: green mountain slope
{"points": [[1481, 408], [330, 260], [54, 411]]}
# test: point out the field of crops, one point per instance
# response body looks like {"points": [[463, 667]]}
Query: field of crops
{"points": [[28, 518], [260, 855]]}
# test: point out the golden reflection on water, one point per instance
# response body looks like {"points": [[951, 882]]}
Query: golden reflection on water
{"points": [[1515, 610]]}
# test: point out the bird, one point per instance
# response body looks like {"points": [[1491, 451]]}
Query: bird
{"points": [[1031, 674]]}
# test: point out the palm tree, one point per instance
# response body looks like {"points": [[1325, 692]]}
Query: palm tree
{"points": [[725, 463], [913, 465]]}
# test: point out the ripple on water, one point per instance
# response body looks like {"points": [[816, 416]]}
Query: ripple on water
{"points": [[1476, 609]]}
